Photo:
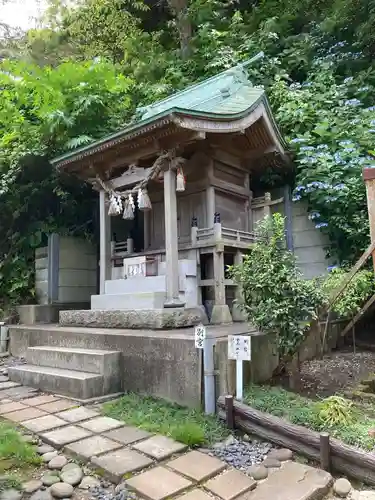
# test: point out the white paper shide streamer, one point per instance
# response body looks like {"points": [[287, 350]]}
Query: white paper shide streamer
{"points": [[115, 205]]}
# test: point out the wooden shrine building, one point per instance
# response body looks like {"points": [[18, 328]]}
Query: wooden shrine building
{"points": [[176, 196]]}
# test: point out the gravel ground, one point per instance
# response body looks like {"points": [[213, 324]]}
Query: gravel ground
{"points": [[241, 454], [335, 372]]}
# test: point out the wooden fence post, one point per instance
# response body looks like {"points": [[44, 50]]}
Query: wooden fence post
{"points": [[229, 412], [325, 451]]}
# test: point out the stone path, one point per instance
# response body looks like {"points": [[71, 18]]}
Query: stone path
{"points": [[155, 467]]}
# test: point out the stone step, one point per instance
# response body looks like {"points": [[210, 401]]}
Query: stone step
{"points": [[75, 384], [97, 361], [130, 301]]}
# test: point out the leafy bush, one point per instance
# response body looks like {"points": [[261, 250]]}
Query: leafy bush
{"points": [[356, 293], [276, 298], [335, 410]]}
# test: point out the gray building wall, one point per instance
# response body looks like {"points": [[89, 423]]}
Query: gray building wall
{"points": [[77, 264]]}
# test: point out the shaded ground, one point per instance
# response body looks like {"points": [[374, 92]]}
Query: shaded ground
{"points": [[336, 372]]}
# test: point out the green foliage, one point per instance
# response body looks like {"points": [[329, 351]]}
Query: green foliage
{"points": [[276, 298], [356, 293], [334, 414], [186, 425], [14, 452], [44, 111], [335, 410]]}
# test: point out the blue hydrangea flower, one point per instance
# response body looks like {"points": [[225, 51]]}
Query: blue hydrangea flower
{"points": [[352, 102], [331, 268], [297, 140], [321, 224], [314, 215], [296, 197]]}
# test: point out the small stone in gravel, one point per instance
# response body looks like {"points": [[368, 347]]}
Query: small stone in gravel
{"points": [[62, 490], [258, 472], [271, 462], [11, 494], [246, 438], [44, 448], [47, 457], [282, 455], [70, 466], [41, 495], [58, 462], [32, 486], [230, 440], [342, 487], [72, 476], [50, 479], [89, 482]]}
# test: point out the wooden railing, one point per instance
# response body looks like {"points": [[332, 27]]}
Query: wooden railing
{"points": [[331, 453], [237, 235], [205, 234]]}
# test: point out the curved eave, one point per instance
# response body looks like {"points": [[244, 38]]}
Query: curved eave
{"points": [[180, 117]]}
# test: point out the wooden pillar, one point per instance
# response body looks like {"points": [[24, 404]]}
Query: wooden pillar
{"points": [[171, 240], [210, 205], [105, 242], [267, 208], [369, 178], [146, 229]]}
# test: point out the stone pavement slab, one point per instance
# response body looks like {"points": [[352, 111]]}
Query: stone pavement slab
{"points": [[17, 393], [4, 378], [78, 414], [158, 483], [8, 385], [92, 446], [120, 462], [39, 400], [128, 435], [27, 414], [293, 481], [10, 407], [45, 423], [159, 447], [65, 435], [231, 484], [101, 424], [58, 406], [197, 466], [196, 495]]}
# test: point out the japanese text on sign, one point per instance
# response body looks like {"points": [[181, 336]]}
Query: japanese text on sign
{"points": [[239, 347], [200, 335]]}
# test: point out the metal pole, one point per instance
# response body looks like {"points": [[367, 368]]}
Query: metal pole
{"points": [[209, 376], [239, 380]]}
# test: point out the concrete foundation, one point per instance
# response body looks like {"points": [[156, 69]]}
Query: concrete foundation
{"points": [[45, 313], [163, 363]]}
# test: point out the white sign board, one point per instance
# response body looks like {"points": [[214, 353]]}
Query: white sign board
{"points": [[239, 347], [200, 335]]}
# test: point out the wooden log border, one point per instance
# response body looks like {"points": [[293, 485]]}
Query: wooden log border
{"points": [[330, 452]]}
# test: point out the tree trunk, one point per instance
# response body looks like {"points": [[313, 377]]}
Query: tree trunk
{"points": [[184, 26]]}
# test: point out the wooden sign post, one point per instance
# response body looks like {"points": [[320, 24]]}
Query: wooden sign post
{"points": [[239, 349]]}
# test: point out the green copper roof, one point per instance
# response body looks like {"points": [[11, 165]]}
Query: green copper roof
{"points": [[229, 92], [228, 95]]}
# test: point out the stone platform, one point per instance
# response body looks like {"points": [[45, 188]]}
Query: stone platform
{"points": [[162, 363], [155, 467], [140, 319]]}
